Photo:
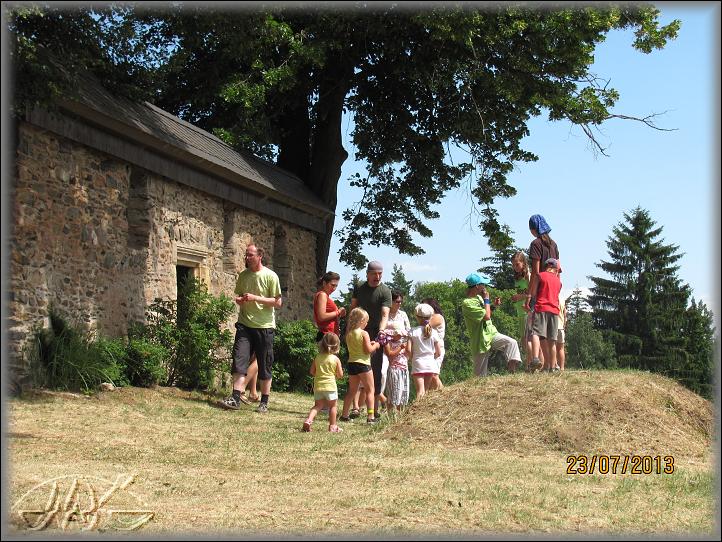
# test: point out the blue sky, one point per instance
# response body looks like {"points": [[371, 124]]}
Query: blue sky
{"points": [[674, 175]]}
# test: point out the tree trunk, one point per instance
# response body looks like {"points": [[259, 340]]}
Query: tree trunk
{"points": [[294, 147], [328, 153], [318, 163]]}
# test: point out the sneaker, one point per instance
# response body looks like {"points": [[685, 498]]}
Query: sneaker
{"points": [[245, 399], [372, 420], [556, 370], [335, 429], [536, 363], [344, 418], [230, 403], [306, 426], [262, 408]]}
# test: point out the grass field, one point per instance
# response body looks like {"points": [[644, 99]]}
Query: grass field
{"points": [[477, 458]]}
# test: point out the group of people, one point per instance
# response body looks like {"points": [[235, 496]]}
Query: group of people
{"points": [[385, 352]]}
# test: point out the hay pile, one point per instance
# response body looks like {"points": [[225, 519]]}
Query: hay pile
{"points": [[603, 412]]}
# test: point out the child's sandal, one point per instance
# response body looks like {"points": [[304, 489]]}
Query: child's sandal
{"points": [[335, 429], [307, 426]]}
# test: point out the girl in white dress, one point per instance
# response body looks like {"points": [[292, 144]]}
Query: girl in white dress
{"points": [[423, 348]]}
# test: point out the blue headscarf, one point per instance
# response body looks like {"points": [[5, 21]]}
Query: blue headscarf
{"points": [[537, 222]]}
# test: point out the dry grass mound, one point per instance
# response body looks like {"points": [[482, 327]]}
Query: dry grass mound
{"points": [[603, 412]]}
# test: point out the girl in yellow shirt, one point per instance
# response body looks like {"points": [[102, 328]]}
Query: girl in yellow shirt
{"points": [[360, 347], [325, 369]]}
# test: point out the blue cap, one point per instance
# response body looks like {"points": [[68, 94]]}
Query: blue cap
{"points": [[475, 279]]}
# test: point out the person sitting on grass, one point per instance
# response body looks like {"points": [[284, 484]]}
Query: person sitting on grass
{"points": [[325, 369], [483, 336]]}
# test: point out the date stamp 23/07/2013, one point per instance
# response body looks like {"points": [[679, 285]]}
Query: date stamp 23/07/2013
{"points": [[620, 464]]}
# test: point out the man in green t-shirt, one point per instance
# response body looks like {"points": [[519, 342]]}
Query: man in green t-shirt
{"points": [[483, 336], [258, 294]]}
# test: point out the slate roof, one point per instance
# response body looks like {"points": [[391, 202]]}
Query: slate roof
{"points": [[170, 135]]}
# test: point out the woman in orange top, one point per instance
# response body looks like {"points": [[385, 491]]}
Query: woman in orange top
{"points": [[325, 312]]}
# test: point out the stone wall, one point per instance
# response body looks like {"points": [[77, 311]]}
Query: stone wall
{"points": [[99, 239]]}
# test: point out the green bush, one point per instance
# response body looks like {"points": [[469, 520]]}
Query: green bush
{"points": [[64, 357], [294, 348], [114, 352], [586, 347], [145, 363], [192, 334]]}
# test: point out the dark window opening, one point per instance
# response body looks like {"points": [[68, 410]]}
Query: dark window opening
{"points": [[184, 278]]}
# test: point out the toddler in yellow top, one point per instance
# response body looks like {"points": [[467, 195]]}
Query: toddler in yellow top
{"points": [[325, 369]]}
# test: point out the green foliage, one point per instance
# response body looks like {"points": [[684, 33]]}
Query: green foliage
{"points": [[66, 358], [294, 347], [642, 307], [576, 304], [276, 81], [145, 363], [698, 373], [586, 347], [113, 352], [499, 268], [191, 332]]}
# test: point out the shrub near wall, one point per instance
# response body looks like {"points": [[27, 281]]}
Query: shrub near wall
{"points": [[191, 334], [66, 357], [294, 347]]}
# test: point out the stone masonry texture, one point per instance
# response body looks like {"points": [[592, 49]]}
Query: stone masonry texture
{"points": [[99, 239]]}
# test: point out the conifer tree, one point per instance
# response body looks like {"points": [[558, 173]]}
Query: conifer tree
{"points": [[500, 269], [399, 283], [698, 332], [641, 306], [576, 304]]}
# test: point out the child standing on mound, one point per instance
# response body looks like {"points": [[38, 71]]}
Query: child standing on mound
{"points": [[525, 320], [423, 347], [325, 369], [360, 347], [397, 381]]}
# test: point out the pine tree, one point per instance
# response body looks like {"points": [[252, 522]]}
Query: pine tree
{"points": [[642, 305], [399, 283], [576, 304], [699, 334], [346, 296], [500, 269]]}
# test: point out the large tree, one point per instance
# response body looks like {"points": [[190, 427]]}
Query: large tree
{"points": [[277, 80], [642, 304]]}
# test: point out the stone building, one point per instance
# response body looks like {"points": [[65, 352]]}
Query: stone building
{"points": [[114, 200]]}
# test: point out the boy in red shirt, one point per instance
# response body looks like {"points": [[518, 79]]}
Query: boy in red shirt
{"points": [[546, 316]]}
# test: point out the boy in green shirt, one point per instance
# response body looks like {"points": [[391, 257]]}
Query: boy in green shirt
{"points": [[483, 336]]}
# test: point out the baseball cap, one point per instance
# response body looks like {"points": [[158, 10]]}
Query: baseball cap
{"points": [[424, 310], [474, 279], [551, 262]]}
